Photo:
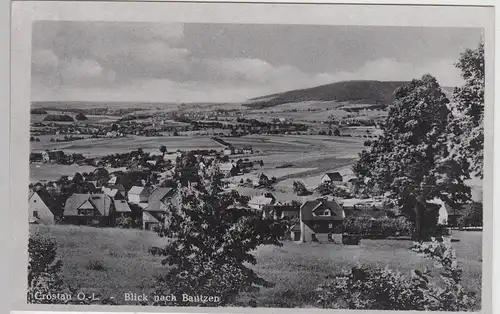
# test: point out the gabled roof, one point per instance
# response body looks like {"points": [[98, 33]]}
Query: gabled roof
{"points": [[102, 203], [155, 201], [309, 207], [121, 206], [119, 187], [136, 190], [150, 217], [333, 175], [49, 201], [110, 192], [74, 202]]}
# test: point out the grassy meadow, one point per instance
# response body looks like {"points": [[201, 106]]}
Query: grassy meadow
{"points": [[112, 261]]}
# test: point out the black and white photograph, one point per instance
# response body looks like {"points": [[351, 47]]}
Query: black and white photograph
{"points": [[256, 165]]}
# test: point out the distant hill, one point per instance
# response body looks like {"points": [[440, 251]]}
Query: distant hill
{"points": [[366, 92]]}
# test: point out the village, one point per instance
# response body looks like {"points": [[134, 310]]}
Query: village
{"points": [[139, 195]]}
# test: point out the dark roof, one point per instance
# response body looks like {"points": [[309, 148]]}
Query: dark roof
{"points": [[309, 207], [102, 203], [333, 175], [49, 201], [74, 202]]}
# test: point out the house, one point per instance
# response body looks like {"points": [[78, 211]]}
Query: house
{"points": [[43, 208], [259, 202], [114, 193], [122, 208], [36, 157], [119, 187], [53, 155], [158, 205], [151, 162], [331, 177], [226, 167], [228, 151], [247, 150], [319, 220], [286, 211], [139, 194], [89, 209]]}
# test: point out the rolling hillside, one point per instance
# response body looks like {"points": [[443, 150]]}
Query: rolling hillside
{"points": [[366, 92]]}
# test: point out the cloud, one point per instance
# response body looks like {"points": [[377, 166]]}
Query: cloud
{"points": [[261, 73], [79, 70], [44, 59]]}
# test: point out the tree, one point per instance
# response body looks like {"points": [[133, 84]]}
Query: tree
{"points": [[163, 149], [32, 139], [411, 161], [78, 178], [472, 216], [336, 132], [210, 236], [299, 188], [467, 131], [80, 117]]}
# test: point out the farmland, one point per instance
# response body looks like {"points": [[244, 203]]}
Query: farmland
{"points": [[295, 269]]}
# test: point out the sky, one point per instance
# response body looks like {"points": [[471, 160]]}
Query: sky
{"points": [[162, 62]]}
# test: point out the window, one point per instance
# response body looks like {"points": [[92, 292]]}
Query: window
{"points": [[34, 201], [35, 214], [330, 226]]}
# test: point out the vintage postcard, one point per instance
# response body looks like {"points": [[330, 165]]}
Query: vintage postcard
{"points": [[213, 156]]}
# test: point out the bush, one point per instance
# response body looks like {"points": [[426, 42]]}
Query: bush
{"points": [[125, 222], [329, 188], [383, 289], [300, 188], [80, 117], [43, 269], [379, 227]]}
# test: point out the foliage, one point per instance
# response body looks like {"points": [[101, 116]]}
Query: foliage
{"points": [[411, 161], [125, 222], [329, 188], [299, 188], [378, 227], [454, 297], [80, 116], [362, 287], [44, 276], [210, 236], [95, 265], [467, 131], [472, 216], [43, 269]]}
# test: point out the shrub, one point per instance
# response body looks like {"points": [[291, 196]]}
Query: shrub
{"points": [[43, 269], [300, 188], [329, 188], [383, 289], [377, 227], [125, 222]]}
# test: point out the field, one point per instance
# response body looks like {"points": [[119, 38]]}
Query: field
{"points": [[295, 269], [315, 154]]}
